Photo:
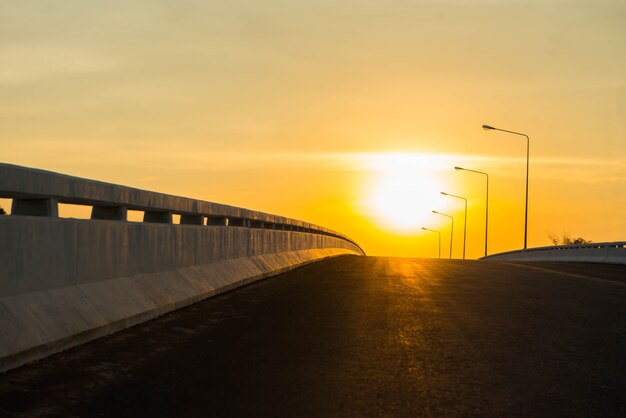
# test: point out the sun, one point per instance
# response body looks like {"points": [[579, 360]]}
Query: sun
{"points": [[403, 193]]}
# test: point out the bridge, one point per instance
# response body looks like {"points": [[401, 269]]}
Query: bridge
{"points": [[142, 325]]}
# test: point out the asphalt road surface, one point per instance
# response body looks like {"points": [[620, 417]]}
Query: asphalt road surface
{"points": [[359, 336]]}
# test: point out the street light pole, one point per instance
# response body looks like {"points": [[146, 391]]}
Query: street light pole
{"points": [[451, 228], [486, 203], [491, 128], [464, 221], [432, 230]]}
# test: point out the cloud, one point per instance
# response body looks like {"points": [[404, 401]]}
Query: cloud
{"points": [[166, 155], [28, 63]]}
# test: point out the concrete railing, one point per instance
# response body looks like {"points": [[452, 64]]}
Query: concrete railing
{"points": [[38, 193], [67, 281], [602, 252]]}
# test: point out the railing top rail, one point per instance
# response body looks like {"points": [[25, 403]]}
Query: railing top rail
{"points": [[29, 183]]}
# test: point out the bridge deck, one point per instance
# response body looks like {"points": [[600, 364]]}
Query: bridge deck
{"points": [[360, 336]]}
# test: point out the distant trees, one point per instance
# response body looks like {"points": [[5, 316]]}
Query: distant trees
{"points": [[2, 211], [566, 239]]}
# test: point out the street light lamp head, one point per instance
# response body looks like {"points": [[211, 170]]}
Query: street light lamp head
{"points": [[444, 193], [434, 211], [487, 127], [459, 168]]}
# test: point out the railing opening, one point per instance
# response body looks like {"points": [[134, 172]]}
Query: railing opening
{"points": [[67, 210], [236, 222], [218, 221], [6, 205], [134, 216]]}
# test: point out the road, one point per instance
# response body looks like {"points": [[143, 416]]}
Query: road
{"points": [[359, 336]]}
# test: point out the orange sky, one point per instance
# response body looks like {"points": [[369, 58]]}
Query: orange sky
{"points": [[321, 110]]}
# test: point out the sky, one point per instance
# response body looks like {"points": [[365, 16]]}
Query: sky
{"points": [[347, 114]]}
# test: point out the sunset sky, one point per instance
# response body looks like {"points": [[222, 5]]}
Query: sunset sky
{"points": [[347, 114]]}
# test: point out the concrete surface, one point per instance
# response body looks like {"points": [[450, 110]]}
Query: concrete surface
{"points": [[38, 253], [359, 336], [67, 281]]}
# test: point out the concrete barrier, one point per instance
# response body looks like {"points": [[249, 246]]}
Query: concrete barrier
{"points": [[603, 252], [67, 281]]}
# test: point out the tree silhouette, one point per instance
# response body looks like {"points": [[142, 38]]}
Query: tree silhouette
{"points": [[575, 241], [565, 239], [2, 211]]}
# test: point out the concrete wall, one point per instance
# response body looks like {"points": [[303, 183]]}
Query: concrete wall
{"points": [[606, 252], [67, 281]]}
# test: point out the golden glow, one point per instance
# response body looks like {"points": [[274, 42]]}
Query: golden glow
{"points": [[404, 192], [290, 108]]}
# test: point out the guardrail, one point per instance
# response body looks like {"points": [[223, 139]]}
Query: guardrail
{"points": [[601, 252], [65, 281], [38, 193]]}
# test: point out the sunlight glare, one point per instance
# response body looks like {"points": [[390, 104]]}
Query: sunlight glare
{"points": [[404, 192]]}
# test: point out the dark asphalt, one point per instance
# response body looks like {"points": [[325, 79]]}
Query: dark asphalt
{"points": [[359, 336]]}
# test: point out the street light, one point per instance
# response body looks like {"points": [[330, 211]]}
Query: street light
{"points": [[464, 221], [491, 128], [486, 204], [451, 228], [432, 230]]}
